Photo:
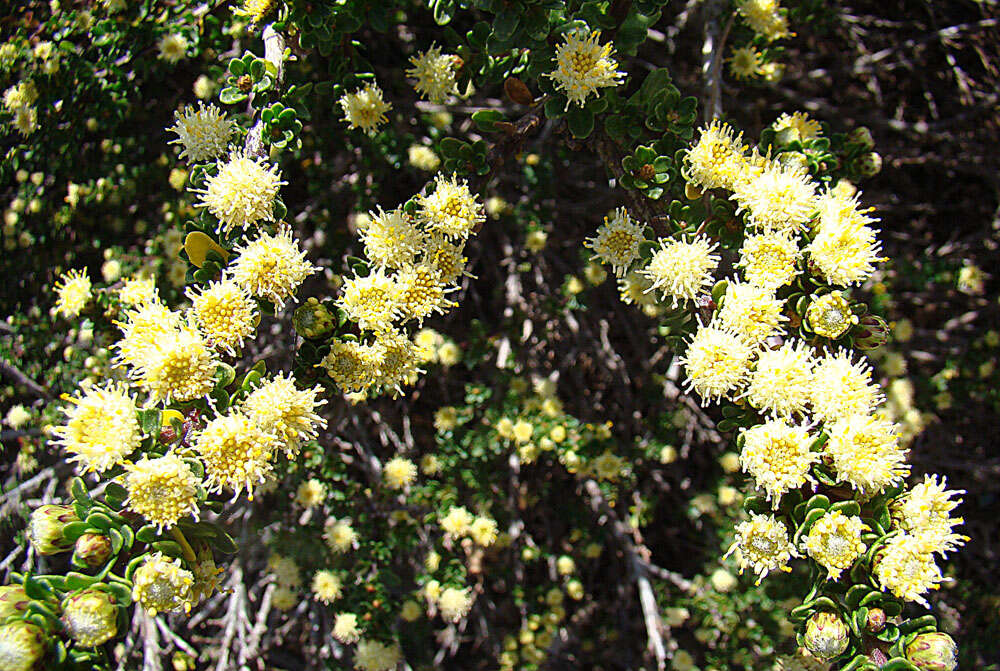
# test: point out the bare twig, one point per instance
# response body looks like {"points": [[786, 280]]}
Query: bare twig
{"points": [[11, 371]]}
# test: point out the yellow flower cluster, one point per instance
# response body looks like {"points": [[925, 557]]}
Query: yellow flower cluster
{"points": [[418, 258], [365, 108], [163, 489], [435, 74], [584, 66], [203, 133], [102, 427], [241, 193]]}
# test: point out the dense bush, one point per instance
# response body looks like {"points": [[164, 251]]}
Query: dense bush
{"points": [[489, 334]]}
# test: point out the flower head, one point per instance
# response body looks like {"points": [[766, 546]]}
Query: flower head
{"points": [[22, 646], [242, 192], [163, 490], [279, 406], [483, 531], [26, 120], [834, 541], [446, 258], [845, 254], [22, 94], [762, 544], [905, 568], [435, 74], [866, 453], [376, 656], [421, 292], [617, 241], [271, 267], [138, 291], [717, 362], [399, 473], [830, 315], [398, 360], [365, 108], [144, 326], [90, 617], [780, 198], [203, 133], [841, 387], [457, 522], [224, 313], [73, 292], [392, 239], [371, 300], [751, 311], [345, 628], [423, 158], [583, 66], [778, 455], [173, 47], [327, 586], [745, 62], [765, 17], [925, 511], [102, 427], [177, 367], [352, 365], [682, 269], [717, 159], [160, 585], [339, 535], [779, 384], [796, 127], [451, 210], [769, 259], [454, 603], [236, 452], [310, 493]]}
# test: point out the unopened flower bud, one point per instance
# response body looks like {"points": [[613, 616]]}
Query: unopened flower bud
{"points": [[13, 601], [93, 549], [869, 164], [875, 620], [862, 137], [90, 617], [22, 645], [312, 319], [933, 651], [830, 315], [45, 529], [826, 635], [874, 332]]}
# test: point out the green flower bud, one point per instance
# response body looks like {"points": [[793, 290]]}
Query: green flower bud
{"points": [[862, 137], [45, 529], [22, 644], [90, 617], [933, 651], [13, 601], [93, 549], [875, 620], [869, 164], [826, 635], [312, 319], [874, 332]]}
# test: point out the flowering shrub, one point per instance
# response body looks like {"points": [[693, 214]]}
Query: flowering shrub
{"points": [[322, 407]]}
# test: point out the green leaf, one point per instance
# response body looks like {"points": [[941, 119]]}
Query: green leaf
{"points": [[257, 69], [505, 24], [74, 530], [224, 543], [231, 95], [150, 420], [76, 581], [580, 121], [35, 589], [451, 147], [147, 534], [170, 548], [898, 664], [79, 491], [236, 67]]}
